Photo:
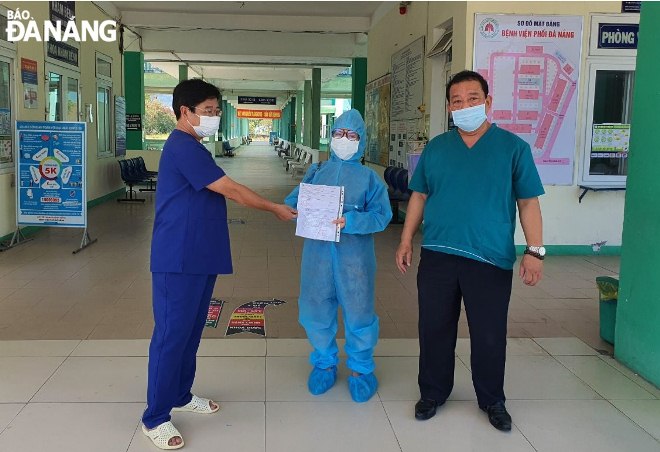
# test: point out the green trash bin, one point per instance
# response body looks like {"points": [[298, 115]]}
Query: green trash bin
{"points": [[608, 294]]}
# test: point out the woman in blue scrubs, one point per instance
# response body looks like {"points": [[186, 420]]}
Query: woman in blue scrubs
{"points": [[189, 248]]}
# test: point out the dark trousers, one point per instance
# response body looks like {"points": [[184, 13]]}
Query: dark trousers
{"points": [[442, 280], [181, 305]]}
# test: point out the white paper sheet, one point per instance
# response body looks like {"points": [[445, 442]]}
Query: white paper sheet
{"points": [[318, 206]]}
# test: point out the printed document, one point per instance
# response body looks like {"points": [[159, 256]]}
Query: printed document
{"points": [[318, 207]]}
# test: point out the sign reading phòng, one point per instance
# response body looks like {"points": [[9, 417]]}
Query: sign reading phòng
{"points": [[259, 114]]}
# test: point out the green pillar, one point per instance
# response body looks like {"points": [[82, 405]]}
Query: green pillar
{"points": [[299, 118], [134, 95], [224, 119], [183, 72], [359, 72], [637, 335], [316, 108], [307, 133], [292, 120]]}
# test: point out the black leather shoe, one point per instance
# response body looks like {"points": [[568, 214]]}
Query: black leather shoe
{"points": [[425, 409], [498, 416]]}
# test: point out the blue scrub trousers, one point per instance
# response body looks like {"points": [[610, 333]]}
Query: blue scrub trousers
{"points": [[180, 304]]}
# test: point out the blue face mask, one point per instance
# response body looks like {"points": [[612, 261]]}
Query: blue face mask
{"points": [[471, 118]]}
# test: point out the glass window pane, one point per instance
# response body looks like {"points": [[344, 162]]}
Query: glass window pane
{"points": [[72, 99], [3, 28], [103, 119], [611, 123], [6, 136], [103, 68], [54, 95]]}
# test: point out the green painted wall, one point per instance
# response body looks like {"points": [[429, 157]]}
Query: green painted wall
{"points": [[359, 71], [134, 94], [637, 340]]}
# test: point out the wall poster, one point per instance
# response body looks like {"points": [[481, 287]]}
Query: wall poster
{"points": [[532, 65], [377, 120]]}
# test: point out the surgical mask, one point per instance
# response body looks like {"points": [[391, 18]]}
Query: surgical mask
{"points": [[208, 125], [344, 148], [471, 118]]}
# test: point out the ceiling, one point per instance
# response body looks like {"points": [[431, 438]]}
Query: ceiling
{"points": [[251, 47]]}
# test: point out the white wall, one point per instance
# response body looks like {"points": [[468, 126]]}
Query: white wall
{"points": [[566, 222]]}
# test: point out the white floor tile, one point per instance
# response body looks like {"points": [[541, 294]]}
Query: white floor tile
{"points": [[286, 380], [37, 348], [542, 377], [232, 347], [72, 427], [231, 379], [457, 427], [328, 427], [8, 411], [565, 346], [632, 375], [604, 379], [579, 426], [398, 380], [121, 347], [238, 426], [288, 347], [97, 379], [22, 377], [397, 347], [645, 413]]}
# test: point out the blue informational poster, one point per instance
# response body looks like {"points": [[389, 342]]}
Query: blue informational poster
{"points": [[51, 189]]}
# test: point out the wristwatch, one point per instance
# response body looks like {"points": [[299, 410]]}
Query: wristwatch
{"points": [[536, 251]]}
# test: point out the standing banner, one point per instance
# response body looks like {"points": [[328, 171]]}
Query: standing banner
{"points": [[51, 176], [532, 65]]}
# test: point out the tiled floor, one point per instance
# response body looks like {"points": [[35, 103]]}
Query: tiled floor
{"points": [[71, 395], [74, 330]]}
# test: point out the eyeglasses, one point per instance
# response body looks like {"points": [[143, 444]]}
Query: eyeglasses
{"points": [[339, 133], [209, 111]]}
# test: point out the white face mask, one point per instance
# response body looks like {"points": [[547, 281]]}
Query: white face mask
{"points": [[344, 148], [208, 125], [471, 118]]}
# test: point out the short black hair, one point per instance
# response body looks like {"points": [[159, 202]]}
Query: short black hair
{"points": [[465, 76], [192, 92]]}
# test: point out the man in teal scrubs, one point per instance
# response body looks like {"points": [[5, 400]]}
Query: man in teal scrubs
{"points": [[189, 248], [466, 187]]}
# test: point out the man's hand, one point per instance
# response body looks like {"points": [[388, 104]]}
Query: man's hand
{"points": [[404, 256], [284, 212], [531, 270], [341, 222]]}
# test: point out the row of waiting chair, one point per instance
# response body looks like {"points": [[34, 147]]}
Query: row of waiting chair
{"points": [[397, 189], [134, 171], [298, 161]]}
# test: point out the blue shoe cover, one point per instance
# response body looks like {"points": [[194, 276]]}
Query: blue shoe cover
{"points": [[320, 380], [362, 387]]}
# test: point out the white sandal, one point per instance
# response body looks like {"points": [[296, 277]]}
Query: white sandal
{"points": [[162, 435], [198, 405]]}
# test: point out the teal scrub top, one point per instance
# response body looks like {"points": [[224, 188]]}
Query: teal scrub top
{"points": [[190, 232], [470, 208]]}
